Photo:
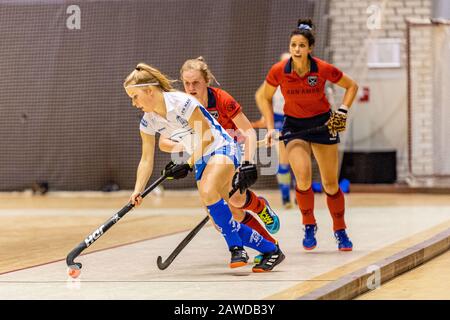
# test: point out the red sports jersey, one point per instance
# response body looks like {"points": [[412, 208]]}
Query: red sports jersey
{"points": [[304, 96], [224, 108]]}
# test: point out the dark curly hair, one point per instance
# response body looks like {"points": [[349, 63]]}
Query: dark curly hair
{"points": [[305, 28]]}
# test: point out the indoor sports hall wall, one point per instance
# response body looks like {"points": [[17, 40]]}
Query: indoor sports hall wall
{"points": [[65, 117], [358, 32]]}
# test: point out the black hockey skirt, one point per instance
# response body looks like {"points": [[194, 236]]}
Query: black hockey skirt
{"points": [[292, 125]]}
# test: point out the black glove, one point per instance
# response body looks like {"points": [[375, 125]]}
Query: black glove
{"points": [[245, 177], [176, 171]]}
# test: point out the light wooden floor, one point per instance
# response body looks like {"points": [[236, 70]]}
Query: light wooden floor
{"points": [[428, 281], [190, 199], [35, 231]]}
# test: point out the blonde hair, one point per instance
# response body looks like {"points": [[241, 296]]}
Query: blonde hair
{"points": [[199, 64], [144, 73]]}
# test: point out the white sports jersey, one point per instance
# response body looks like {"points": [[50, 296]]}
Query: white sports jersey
{"points": [[278, 102], [175, 126]]}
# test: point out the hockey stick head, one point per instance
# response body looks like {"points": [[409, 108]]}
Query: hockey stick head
{"points": [[160, 264]]}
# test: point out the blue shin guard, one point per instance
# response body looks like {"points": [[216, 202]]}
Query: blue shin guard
{"points": [[221, 214], [251, 238]]}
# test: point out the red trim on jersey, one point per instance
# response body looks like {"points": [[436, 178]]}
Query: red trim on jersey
{"points": [[304, 96]]}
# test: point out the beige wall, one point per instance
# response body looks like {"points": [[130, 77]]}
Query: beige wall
{"points": [[381, 123]]}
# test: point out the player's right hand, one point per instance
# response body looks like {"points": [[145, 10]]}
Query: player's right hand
{"points": [[136, 198], [270, 137]]}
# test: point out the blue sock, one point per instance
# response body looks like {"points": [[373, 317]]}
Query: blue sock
{"points": [[221, 214], [251, 238], [284, 181]]}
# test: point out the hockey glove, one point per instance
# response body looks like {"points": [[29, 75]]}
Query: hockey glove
{"points": [[338, 120], [245, 177], [176, 171]]}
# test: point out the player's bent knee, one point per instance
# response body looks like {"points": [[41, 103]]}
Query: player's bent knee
{"points": [[209, 194], [330, 188], [304, 184]]}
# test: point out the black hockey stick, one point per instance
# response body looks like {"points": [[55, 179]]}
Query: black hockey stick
{"points": [[74, 267], [164, 264]]}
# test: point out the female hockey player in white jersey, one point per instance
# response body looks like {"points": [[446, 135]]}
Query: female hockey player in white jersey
{"points": [[176, 115]]}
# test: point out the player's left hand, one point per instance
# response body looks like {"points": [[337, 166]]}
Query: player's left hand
{"points": [[337, 121], [176, 171], [245, 177]]}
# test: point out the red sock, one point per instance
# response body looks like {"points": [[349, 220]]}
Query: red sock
{"points": [[253, 203], [305, 200], [336, 205], [250, 221]]}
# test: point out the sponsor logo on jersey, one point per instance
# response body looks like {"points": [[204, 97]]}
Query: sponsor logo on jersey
{"points": [[303, 91], [186, 104], [182, 121], [312, 81], [144, 122]]}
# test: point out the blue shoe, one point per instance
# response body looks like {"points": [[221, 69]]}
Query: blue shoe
{"points": [[344, 243], [270, 218], [309, 241]]}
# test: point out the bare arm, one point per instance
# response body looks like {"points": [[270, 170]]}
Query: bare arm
{"points": [[265, 104], [198, 122], [259, 96], [145, 167], [244, 125], [170, 146], [351, 88]]}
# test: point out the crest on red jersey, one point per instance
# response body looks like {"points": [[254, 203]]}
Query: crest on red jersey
{"points": [[312, 81], [214, 113]]}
